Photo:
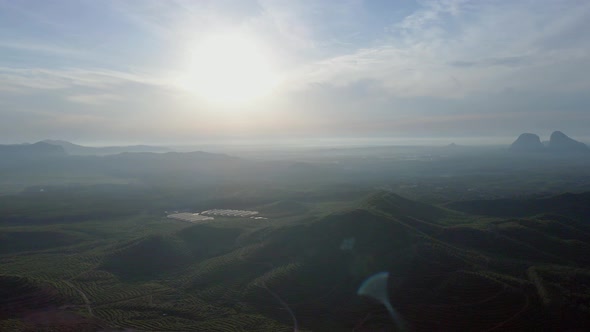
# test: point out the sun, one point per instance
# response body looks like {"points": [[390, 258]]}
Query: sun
{"points": [[231, 68]]}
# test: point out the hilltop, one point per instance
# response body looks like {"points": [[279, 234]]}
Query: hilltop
{"points": [[558, 143], [75, 149], [527, 142], [39, 149]]}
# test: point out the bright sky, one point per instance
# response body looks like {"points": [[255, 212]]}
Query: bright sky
{"points": [[184, 71]]}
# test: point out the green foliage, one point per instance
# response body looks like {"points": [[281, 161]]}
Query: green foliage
{"points": [[16, 241], [398, 206], [570, 205], [132, 268], [20, 294], [147, 258], [284, 208]]}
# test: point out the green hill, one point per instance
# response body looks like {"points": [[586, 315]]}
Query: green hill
{"points": [[570, 205], [478, 272], [28, 305], [17, 241], [283, 208], [317, 268], [147, 257], [157, 255], [19, 295], [152, 273], [207, 241], [399, 206]]}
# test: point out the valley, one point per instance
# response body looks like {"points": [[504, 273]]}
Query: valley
{"points": [[205, 242]]}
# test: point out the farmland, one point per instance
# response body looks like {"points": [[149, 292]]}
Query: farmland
{"points": [[147, 272]]}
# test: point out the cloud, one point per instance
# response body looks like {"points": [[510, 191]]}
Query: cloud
{"points": [[432, 12], [509, 61], [312, 24], [94, 99], [52, 79], [365, 64], [38, 47], [456, 48]]}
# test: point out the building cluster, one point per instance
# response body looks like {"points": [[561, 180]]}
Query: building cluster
{"points": [[229, 213], [190, 217]]}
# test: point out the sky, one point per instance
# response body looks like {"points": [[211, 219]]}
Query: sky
{"points": [[175, 72]]}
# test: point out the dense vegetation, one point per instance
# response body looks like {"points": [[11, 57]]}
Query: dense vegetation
{"points": [[85, 257], [146, 272]]}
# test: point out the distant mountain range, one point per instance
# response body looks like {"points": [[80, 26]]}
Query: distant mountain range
{"points": [[39, 149], [570, 205], [55, 147], [75, 149], [70, 158], [558, 142]]}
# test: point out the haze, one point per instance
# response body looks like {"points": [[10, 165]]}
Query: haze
{"points": [[189, 71], [280, 165]]}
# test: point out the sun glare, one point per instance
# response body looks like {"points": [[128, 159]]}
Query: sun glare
{"points": [[231, 69]]}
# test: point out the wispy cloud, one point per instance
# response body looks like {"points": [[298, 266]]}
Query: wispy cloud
{"points": [[94, 99], [49, 79], [358, 61], [453, 48], [39, 47], [431, 13]]}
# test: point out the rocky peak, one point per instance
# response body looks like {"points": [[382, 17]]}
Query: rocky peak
{"points": [[562, 143], [527, 142]]}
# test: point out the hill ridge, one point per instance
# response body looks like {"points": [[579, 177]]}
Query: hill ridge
{"points": [[558, 143]]}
